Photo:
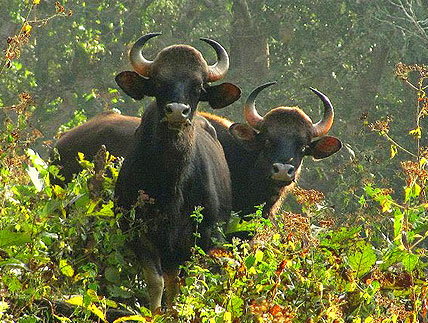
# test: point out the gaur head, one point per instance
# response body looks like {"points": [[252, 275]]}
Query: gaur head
{"points": [[284, 136], [178, 78]]}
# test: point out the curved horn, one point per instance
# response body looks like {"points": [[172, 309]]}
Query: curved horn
{"points": [[220, 68], [251, 115], [140, 64], [323, 126]]}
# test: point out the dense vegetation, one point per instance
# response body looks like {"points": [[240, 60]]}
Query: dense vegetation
{"points": [[355, 252]]}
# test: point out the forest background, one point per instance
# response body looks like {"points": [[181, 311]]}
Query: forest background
{"points": [[60, 59]]}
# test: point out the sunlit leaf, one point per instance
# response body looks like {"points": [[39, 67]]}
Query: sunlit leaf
{"points": [[61, 318], [106, 210], [94, 309], [398, 224], [78, 301], [416, 132], [259, 255], [8, 238], [137, 318], [227, 317], [361, 258], [369, 319], [75, 300], [65, 268], [393, 151], [412, 191], [410, 261], [236, 305]]}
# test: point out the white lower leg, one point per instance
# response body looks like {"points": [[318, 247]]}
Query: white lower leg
{"points": [[155, 285]]}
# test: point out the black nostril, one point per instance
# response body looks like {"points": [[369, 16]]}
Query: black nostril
{"points": [[291, 171], [186, 112], [168, 109], [275, 169]]}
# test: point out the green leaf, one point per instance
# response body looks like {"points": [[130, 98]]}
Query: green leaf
{"points": [[8, 238], [362, 200], [410, 261], [412, 192], [391, 258], [236, 305], [12, 283], [112, 275], [250, 261], [361, 258], [106, 210], [338, 239], [398, 225]]}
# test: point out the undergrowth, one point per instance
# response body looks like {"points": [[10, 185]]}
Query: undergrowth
{"points": [[62, 256]]}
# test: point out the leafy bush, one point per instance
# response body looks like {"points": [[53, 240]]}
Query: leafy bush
{"points": [[62, 255], [62, 245]]}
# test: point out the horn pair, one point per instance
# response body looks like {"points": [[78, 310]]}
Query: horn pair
{"points": [[254, 119], [142, 65]]}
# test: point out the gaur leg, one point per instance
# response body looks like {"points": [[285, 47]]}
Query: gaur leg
{"points": [[171, 285], [155, 282]]}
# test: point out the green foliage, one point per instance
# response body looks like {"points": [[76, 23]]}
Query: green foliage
{"points": [[63, 244], [65, 241]]}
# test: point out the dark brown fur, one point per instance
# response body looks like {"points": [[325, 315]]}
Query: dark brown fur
{"points": [[175, 160], [241, 156]]}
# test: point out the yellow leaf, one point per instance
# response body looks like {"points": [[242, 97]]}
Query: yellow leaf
{"points": [[368, 319], [138, 318], [416, 132], [36, 2], [394, 151], [65, 268], [386, 205], [97, 312], [3, 306], [62, 318], [78, 301], [26, 28], [59, 191], [75, 300], [92, 294], [227, 317], [252, 271]]}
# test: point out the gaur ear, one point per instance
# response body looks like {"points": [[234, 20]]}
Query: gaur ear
{"points": [[324, 147], [134, 85], [220, 96], [246, 136], [242, 131]]}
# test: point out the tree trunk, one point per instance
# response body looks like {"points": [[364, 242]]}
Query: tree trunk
{"points": [[249, 49]]}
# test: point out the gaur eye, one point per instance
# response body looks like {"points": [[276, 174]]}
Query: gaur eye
{"points": [[303, 149]]}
